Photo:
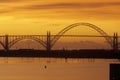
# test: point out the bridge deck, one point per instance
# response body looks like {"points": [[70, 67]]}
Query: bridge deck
{"points": [[102, 54]]}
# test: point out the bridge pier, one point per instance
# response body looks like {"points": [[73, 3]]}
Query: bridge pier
{"points": [[6, 43], [48, 44], [115, 42]]}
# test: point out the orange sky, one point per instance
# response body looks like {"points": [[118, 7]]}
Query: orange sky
{"points": [[38, 16]]}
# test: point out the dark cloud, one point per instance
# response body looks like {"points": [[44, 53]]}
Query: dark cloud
{"points": [[5, 11], [70, 5], [4, 1], [86, 8]]}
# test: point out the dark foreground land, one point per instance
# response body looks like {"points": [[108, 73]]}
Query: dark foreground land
{"points": [[104, 54]]}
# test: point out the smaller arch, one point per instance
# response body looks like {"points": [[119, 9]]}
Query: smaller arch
{"points": [[2, 44], [19, 39]]}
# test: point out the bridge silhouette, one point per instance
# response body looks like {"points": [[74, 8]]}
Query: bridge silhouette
{"points": [[7, 41]]}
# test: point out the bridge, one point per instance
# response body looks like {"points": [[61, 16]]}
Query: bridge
{"points": [[7, 41]]}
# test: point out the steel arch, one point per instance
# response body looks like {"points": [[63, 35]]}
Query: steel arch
{"points": [[22, 38], [2, 44], [63, 31]]}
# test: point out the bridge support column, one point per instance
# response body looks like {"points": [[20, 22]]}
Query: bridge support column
{"points": [[115, 42], [6, 43], [48, 45]]}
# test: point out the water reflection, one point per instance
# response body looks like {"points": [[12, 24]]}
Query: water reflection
{"points": [[54, 69], [10, 60]]}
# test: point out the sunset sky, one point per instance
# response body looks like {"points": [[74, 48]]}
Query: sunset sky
{"points": [[20, 17], [38, 16]]}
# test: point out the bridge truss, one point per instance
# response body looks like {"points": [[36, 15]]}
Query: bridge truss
{"points": [[48, 41]]}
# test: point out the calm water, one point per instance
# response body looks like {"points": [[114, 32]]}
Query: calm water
{"points": [[54, 69]]}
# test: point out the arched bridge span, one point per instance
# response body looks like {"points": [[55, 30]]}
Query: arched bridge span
{"points": [[8, 41], [99, 30], [13, 42]]}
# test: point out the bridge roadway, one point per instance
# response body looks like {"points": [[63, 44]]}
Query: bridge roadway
{"points": [[48, 41], [95, 54], [58, 35]]}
